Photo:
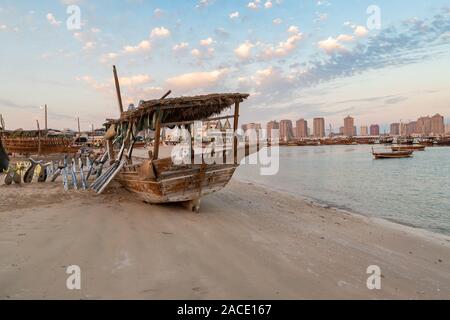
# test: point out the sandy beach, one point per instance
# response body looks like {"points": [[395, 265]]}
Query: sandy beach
{"points": [[247, 243]]}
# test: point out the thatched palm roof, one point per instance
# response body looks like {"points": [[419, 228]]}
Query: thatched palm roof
{"points": [[185, 108]]}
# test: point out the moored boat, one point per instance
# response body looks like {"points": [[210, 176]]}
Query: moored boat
{"points": [[393, 154], [415, 147], [159, 178]]}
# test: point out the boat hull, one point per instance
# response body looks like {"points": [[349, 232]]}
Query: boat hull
{"points": [[34, 145], [408, 148], [393, 155], [185, 185]]}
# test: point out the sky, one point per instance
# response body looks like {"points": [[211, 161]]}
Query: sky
{"points": [[378, 61]]}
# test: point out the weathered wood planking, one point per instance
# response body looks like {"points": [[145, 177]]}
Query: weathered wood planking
{"points": [[180, 187]]}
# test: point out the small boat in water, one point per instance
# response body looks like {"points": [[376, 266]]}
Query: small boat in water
{"points": [[415, 147], [393, 154]]}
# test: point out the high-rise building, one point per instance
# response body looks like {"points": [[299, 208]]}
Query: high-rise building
{"points": [[447, 129], [395, 129], [375, 130], [410, 128], [437, 125], [301, 128], [251, 126], [364, 131], [286, 130], [272, 125], [319, 127], [349, 127], [423, 126]]}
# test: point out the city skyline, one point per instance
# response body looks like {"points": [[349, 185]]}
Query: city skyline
{"points": [[432, 125], [310, 58]]}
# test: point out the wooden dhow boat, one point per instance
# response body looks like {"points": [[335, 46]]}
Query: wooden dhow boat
{"points": [[415, 147], [36, 142], [158, 179], [392, 155]]}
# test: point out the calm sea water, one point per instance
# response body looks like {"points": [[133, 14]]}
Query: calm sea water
{"points": [[413, 191]]}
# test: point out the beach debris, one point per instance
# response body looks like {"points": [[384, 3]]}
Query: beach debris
{"points": [[43, 172], [75, 171], [29, 174]]}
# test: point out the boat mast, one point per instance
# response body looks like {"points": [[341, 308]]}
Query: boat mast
{"points": [[119, 95]]}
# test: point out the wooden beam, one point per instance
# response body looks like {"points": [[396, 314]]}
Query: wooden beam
{"points": [[235, 127], [166, 95], [180, 123], [119, 95]]}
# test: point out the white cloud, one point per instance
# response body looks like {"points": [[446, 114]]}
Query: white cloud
{"points": [[277, 21], [196, 53], [102, 87], [160, 32], [244, 51], [320, 17], [3, 27], [361, 31], [180, 46], [234, 15], [345, 38], [135, 80], [286, 47], [143, 46], [196, 80], [293, 30], [203, 3], [89, 45], [268, 5], [331, 46], [206, 42], [252, 5], [52, 20], [108, 57], [207, 53], [158, 13]]}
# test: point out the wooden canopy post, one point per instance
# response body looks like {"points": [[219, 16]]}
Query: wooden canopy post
{"points": [[157, 135], [235, 127], [158, 129], [119, 95]]}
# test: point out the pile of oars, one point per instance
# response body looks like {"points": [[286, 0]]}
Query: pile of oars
{"points": [[75, 173], [105, 179]]}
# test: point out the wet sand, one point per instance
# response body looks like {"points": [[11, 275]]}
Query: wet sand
{"points": [[247, 243]]}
